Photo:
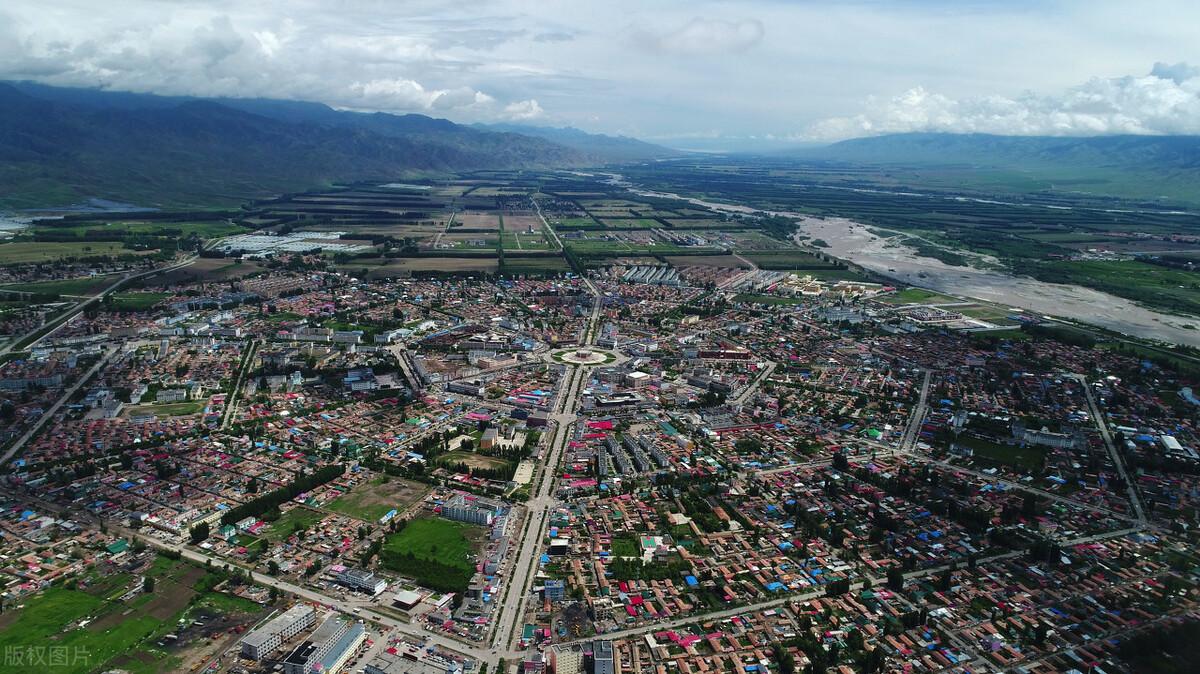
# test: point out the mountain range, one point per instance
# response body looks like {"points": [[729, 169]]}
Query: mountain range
{"points": [[59, 146], [1136, 166]]}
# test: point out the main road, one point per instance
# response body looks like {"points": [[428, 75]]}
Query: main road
{"points": [[542, 502], [42, 331]]}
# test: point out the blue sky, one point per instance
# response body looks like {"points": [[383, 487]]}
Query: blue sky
{"points": [[699, 74]]}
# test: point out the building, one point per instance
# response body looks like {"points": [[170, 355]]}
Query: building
{"points": [[602, 658], [488, 439], [471, 509], [554, 590], [358, 579], [262, 641], [637, 379], [471, 387], [329, 647], [567, 660], [393, 661]]}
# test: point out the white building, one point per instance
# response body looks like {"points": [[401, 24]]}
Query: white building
{"points": [[262, 641]]}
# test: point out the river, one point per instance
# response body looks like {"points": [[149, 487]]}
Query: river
{"points": [[852, 241]]}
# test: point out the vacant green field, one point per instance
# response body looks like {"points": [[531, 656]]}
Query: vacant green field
{"points": [[472, 459], [135, 301], [32, 252], [786, 260], [624, 546], [439, 540], [630, 223], [293, 520], [534, 265], [574, 222], [1025, 458], [167, 409], [374, 499], [916, 296], [88, 285], [114, 629], [767, 299]]}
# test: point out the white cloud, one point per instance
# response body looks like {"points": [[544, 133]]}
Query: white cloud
{"points": [[191, 50], [524, 111], [1164, 102], [704, 36]]}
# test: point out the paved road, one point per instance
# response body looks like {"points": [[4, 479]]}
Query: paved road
{"points": [[235, 395], [512, 609], [1113, 454], [61, 320], [913, 430], [20, 442]]}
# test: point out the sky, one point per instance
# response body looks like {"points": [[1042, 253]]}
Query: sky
{"points": [[690, 74]]}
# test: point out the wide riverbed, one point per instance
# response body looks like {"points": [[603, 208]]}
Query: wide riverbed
{"points": [[851, 241]]}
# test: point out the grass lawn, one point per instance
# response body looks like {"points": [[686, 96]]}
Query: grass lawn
{"points": [[32, 252], [296, 518], [1025, 458], [135, 301], [439, 540], [625, 546]]}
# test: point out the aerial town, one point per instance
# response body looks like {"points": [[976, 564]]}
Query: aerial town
{"points": [[279, 465]]}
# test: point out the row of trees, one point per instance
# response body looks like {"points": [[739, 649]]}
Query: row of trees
{"points": [[269, 503]]}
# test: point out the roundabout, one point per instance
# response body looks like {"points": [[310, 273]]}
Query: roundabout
{"points": [[585, 356]]}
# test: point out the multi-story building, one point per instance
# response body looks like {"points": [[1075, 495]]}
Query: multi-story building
{"points": [[359, 579], [262, 641], [329, 647]]}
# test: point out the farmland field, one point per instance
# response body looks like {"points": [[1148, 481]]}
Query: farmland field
{"points": [[31, 252], [88, 285]]}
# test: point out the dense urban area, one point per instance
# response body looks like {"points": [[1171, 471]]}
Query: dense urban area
{"points": [[550, 422]]}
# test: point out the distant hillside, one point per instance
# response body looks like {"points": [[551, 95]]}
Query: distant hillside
{"points": [[613, 148], [60, 146], [1127, 166]]}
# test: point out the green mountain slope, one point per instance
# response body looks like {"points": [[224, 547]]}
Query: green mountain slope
{"points": [[1144, 167], [197, 152]]}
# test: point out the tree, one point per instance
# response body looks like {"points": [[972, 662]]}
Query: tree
{"points": [[273, 568], [148, 584], [199, 533]]}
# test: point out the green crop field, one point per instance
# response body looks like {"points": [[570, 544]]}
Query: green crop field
{"points": [[1173, 290], [205, 230], [33, 252]]}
